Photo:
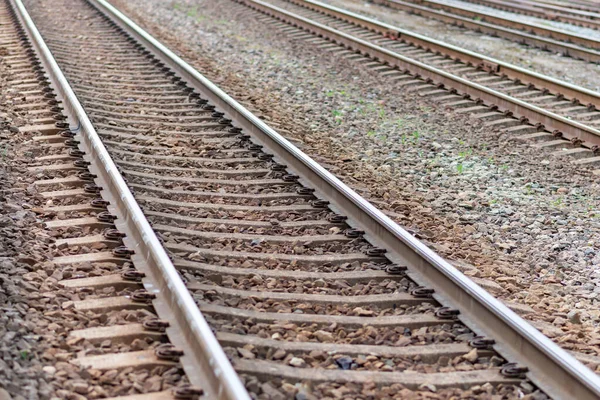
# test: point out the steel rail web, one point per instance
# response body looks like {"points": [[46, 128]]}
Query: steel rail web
{"points": [[555, 371], [204, 360]]}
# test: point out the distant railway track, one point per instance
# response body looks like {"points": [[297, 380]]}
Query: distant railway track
{"points": [[300, 278], [560, 9], [502, 94], [576, 5], [567, 7], [546, 38], [545, 11]]}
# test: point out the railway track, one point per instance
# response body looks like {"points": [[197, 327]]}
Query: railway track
{"points": [[71, 215], [576, 5], [528, 105], [545, 11], [560, 9], [311, 291], [576, 8], [537, 35]]}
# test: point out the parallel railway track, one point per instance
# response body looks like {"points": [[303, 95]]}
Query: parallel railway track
{"points": [[502, 94], [301, 279], [576, 5], [537, 35], [560, 9], [550, 12], [86, 244]]}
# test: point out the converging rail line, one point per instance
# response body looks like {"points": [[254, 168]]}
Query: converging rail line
{"points": [[530, 106], [545, 11], [245, 263], [576, 5], [537, 35]]}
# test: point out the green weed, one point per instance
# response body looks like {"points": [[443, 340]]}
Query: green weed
{"points": [[337, 116], [465, 153], [192, 12], [558, 202]]}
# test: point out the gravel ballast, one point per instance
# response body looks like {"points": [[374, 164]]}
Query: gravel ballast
{"points": [[501, 209], [24, 248]]}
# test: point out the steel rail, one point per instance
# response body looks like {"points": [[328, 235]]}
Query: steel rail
{"points": [[551, 367], [576, 5], [530, 33], [539, 7], [565, 10], [204, 360], [552, 122], [556, 86], [537, 12]]}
